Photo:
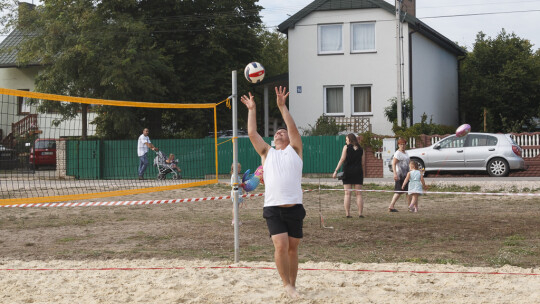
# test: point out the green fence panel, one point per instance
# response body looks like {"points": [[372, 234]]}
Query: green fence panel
{"points": [[321, 153], [83, 160], [247, 156], [196, 157], [120, 159], [117, 159]]}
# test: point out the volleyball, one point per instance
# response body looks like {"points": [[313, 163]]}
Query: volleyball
{"points": [[254, 72]]}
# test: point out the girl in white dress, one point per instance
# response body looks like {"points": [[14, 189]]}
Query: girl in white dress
{"points": [[416, 185]]}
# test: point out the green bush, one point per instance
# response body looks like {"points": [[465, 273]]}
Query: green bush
{"points": [[422, 127], [368, 139], [324, 126]]}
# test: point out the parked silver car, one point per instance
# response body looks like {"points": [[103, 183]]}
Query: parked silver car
{"points": [[497, 154]]}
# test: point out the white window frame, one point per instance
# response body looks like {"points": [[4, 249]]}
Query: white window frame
{"points": [[319, 39], [374, 49], [325, 100], [370, 99], [23, 107]]}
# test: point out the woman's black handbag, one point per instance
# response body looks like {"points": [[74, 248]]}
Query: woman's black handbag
{"points": [[341, 175]]}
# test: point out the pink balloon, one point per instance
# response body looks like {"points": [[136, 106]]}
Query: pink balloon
{"points": [[463, 130]]}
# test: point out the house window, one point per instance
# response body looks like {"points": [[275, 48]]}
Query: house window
{"points": [[361, 102], [363, 37], [331, 39], [333, 100], [23, 107]]}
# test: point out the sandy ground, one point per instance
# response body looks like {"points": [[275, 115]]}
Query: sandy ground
{"points": [[203, 281], [180, 281]]}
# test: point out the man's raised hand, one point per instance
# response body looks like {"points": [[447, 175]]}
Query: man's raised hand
{"points": [[248, 101], [281, 95]]}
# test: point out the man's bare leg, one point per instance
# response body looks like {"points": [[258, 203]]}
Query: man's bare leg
{"points": [[283, 263], [293, 259]]}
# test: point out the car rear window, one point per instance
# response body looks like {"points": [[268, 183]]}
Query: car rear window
{"points": [[46, 144], [480, 140]]}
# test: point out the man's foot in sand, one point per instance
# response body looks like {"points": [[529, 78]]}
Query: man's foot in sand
{"points": [[291, 292]]}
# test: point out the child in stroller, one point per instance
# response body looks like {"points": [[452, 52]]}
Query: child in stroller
{"points": [[166, 166]]}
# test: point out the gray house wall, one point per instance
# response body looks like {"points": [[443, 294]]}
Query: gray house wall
{"points": [[434, 81]]}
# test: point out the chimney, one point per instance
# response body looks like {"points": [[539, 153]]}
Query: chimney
{"points": [[409, 6], [24, 7]]}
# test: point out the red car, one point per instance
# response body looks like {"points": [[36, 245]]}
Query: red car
{"points": [[43, 153]]}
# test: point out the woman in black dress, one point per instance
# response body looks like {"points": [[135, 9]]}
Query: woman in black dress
{"points": [[353, 160]]}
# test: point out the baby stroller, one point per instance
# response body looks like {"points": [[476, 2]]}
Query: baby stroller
{"points": [[165, 168]]}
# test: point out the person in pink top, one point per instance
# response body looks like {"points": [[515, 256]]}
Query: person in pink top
{"points": [[283, 208]]}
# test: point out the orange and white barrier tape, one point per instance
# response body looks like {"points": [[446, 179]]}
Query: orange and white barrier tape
{"points": [[132, 203], [214, 198]]}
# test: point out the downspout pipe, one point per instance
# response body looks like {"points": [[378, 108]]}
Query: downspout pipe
{"points": [[461, 116], [411, 75]]}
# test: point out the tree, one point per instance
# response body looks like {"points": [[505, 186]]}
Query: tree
{"points": [[274, 52], [206, 40], [501, 77], [390, 112], [141, 50], [97, 50]]}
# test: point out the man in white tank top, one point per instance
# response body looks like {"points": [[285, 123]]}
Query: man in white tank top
{"points": [[283, 209]]}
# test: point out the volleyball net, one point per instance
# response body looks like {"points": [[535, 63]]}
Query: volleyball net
{"points": [[53, 147]]}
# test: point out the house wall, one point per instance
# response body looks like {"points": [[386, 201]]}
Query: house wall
{"points": [[311, 71], [435, 82], [15, 78]]}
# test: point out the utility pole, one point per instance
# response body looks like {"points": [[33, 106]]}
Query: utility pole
{"points": [[399, 30]]}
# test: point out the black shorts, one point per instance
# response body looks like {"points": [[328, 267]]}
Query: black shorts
{"points": [[285, 219], [399, 183]]}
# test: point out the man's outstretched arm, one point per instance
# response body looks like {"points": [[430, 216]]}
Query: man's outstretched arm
{"points": [[256, 140], [294, 134]]}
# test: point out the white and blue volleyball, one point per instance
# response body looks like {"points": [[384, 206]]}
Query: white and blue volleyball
{"points": [[254, 72]]}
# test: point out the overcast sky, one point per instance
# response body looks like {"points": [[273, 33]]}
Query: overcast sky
{"points": [[521, 17]]}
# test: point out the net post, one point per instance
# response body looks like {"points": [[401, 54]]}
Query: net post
{"points": [[235, 162]]}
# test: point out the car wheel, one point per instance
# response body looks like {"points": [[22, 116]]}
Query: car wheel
{"points": [[498, 167], [419, 162]]}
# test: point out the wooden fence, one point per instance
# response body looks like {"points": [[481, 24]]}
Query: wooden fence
{"points": [[354, 124]]}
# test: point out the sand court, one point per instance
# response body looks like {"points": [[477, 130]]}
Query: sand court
{"points": [[182, 253], [201, 281]]}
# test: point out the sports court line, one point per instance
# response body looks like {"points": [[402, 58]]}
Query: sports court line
{"points": [[270, 268]]}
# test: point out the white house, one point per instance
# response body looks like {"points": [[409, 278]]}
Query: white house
{"points": [[343, 63], [15, 111]]}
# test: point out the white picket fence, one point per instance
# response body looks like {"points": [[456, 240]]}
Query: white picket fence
{"points": [[527, 140]]}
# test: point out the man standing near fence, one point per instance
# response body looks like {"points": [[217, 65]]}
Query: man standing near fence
{"points": [[283, 209], [142, 150]]}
